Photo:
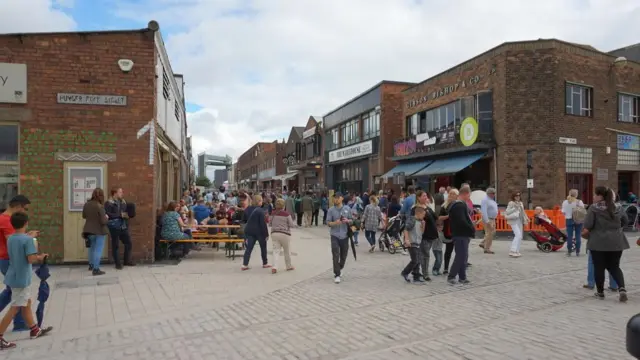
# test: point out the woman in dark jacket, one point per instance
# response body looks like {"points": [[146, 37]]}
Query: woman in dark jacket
{"points": [[255, 230], [95, 228], [446, 229], [603, 225]]}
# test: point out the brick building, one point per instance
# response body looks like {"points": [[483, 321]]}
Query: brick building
{"points": [[359, 137], [570, 109], [258, 166], [288, 177], [309, 164], [75, 115]]}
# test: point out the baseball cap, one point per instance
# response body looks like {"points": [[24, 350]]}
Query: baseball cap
{"points": [[337, 194], [19, 200]]}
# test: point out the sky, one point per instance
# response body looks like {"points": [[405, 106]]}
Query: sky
{"points": [[255, 68]]}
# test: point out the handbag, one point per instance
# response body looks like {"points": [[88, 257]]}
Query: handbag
{"points": [[513, 216]]}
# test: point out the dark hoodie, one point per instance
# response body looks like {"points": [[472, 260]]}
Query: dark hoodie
{"points": [[605, 231], [460, 221], [256, 222]]}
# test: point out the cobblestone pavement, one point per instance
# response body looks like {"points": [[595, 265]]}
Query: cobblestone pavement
{"points": [[528, 308]]}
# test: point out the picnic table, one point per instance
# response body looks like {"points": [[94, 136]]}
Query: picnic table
{"points": [[203, 237]]}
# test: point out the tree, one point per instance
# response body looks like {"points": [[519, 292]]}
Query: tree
{"points": [[203, 181]]}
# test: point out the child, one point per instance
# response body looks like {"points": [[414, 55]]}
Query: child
{"points": [[540, 215], [22, 252], [413, 229]]}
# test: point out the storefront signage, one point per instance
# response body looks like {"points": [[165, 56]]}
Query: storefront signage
{"points": [[449, 89], [309, 133], [602, 174], [254, 176], [404, 148], [432, 140], [87, 99], [468, 131], [13, 83], [353, 151], [267, 174], [628, 142], [82, 182], [568, 141]]}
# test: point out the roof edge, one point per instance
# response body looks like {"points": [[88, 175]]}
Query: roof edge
{"points": [[367, 91]]}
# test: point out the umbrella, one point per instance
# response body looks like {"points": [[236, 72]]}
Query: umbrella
{"points": [[353, 246], [43, 291]]}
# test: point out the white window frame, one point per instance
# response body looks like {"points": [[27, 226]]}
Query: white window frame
{"points": [[633, 103], [577, 89]]}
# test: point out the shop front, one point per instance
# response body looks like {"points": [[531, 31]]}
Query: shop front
{"points": [[628, 165], [265, 179], [348, 168]]}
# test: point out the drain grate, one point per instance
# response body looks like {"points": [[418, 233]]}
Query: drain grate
{"points": [[74, 284]]}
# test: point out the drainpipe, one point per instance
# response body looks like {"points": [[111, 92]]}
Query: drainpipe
{"points": [[495, 169]]}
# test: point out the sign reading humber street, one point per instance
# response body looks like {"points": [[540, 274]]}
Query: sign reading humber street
{"points": [[353, 151], [87, 99]]}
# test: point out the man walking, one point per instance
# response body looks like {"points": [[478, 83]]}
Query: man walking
{"points": [[462, 230], [489, 209], [307, 209], [339, 219]]}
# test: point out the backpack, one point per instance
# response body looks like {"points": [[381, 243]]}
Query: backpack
{"points": [[578, 214]]}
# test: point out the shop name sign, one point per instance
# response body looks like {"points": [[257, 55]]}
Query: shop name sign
{"points": [[428, 141], [87, 99], [265, 174], [13, 83], [628, 142], [353, 151], [446, 90]]}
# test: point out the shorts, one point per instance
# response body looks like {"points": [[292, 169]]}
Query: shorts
{"points": [[20, 296]]}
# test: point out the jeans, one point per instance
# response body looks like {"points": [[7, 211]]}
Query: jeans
{"points": [[299, 219], [591, 281], [95, 251], [355, 237], [437, 263], [118, 235], [314, 217], [574, 236], [5, 300], [610, 261], [425, 249], [251, 242], [448, 250], [339, 252], [413, 267], [459, 266], [324, 216], [371, 237]]}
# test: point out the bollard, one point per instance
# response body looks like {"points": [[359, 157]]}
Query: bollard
{"points": [[633, 336]]}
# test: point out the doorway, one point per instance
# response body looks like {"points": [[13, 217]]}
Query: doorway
{"points": [[80, 179], [583, 183], [625, 185]]}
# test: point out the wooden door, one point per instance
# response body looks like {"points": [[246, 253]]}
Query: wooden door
{"points": [[583, 183], [79, 181]]}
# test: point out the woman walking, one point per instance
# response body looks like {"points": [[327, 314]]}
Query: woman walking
{"points": [[604, 223], [517, 219], [255, 230], [574, 213], [281, 224], [446, 229], [372, 217], [95, 229]]}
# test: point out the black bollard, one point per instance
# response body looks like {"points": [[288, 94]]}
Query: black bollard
{"points": [[633, 336]]}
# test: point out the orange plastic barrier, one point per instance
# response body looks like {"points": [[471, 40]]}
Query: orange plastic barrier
{"points": [[556, 216]]}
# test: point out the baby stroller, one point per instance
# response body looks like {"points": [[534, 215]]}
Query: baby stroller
{"points": [[390, 236], [553, 241]]}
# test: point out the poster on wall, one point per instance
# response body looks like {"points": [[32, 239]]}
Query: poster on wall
{"points": [[82, 182]]}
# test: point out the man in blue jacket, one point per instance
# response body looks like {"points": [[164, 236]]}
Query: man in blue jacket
{"points": [[255, 230], [409, 201], [200, 211]]}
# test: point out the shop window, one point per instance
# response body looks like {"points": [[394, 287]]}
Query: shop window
{"points": [[579, 100], [628, 108], [579, 160], [485, 112], [628, 157], [9, 166], [371, 125], [412, 125]]}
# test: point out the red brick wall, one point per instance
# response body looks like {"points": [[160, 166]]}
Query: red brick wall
{"points": [[87, 64]]}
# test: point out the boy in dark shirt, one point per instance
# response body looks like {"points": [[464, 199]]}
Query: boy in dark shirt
{"points": [[462, 230]]}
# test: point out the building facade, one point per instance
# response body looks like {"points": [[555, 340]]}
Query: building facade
{"points": [[106, 111], [292, 156], [219, 177], [309, 167], [359, 137], [545, 116], [257, 167]]}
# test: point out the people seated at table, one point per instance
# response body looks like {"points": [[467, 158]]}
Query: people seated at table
{"points": [[173, 226], [200, 211]]}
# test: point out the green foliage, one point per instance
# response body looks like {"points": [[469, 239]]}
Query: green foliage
{"points": [[203, 181]]}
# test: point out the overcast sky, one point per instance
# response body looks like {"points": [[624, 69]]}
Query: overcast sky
{"points": [[254, 68]]}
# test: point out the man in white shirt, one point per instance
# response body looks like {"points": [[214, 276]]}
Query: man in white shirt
{"points": [[489, 209], [221, 196]]}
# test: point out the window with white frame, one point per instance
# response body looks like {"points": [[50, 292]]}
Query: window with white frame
{"points": [[9, 162], [166, 85], [371, 125], [350, 132], [628, 108], [176, 109], [579, 100], [579, 160]]}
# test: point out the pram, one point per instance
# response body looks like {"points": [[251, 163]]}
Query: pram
{"points": [[390, 237], [555, 239]]}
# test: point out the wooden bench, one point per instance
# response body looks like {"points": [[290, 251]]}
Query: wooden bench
{"points": [[230, 240]]}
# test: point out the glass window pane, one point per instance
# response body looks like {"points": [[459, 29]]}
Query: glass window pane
{"points": [[576, 97], [443, 117], [458, 112], [8, 184], [9, 143], [451, 108], [423, 122], [430, 125], [568, 98]]}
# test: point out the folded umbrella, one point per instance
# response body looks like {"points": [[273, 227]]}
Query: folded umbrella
{"points": [[353, 247], [43, 274]]}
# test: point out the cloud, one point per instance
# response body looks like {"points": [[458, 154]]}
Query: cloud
{"points": [[35, 16]]}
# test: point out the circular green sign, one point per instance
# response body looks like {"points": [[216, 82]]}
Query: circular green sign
{"points": [[468, 131]]}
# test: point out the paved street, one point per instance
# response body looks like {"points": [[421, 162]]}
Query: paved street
{"points": [[205, 308]]}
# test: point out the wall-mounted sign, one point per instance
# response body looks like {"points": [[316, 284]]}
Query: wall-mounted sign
{"points": [[353, 151], [309, 133], [82, 182], [602, 174], [446, 90], [404, 148], [432, 140], [13, 83], [254, 176], [628, 142], [88, 99], [568, 141], [267, 174], [468, 131]]}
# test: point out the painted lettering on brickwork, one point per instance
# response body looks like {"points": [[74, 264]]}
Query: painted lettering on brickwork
{"points": [[404, 148]]}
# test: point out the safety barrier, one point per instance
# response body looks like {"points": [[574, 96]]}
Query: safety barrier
{"points": [[556, 216]]}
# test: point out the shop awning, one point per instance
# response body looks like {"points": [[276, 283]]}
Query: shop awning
{"points": [[408, 168], [449, 165], [285, 176]]}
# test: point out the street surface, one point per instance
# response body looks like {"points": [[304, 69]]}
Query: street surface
{"points": [[533, 307]]}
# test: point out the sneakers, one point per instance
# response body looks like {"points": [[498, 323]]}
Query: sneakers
{"points": [[623, 296], [452, 281], [39, 332], [336, 280], [274, 271], [4, 344], [244, 268], [599, 295], [514, 254], [97, 272], [436, 273], [406, 278], [465, 282]]}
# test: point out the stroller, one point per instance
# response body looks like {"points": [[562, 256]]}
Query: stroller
{"points": [[555, 239], [390, 236]]}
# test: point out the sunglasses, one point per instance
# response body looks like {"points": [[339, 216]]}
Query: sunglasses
{"points": [[517, 195]]}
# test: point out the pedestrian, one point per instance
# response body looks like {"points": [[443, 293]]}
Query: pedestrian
{"points": [[489, 209], [462, 230], [413, 230], [281, 224], [604, 223], [316, 209], [255, 230], [324, 204], [371, 218], [118, 224], [22, 251], [574, 213], [591, 281], [443, 216], [517, 219], [339, 219], [95, 229], [429, 233]]}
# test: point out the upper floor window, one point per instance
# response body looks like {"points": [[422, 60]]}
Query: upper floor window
{"points": [[176, 109], [166, 87], [350, 132], [371, 125], [579, 100], [628, 108]]}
